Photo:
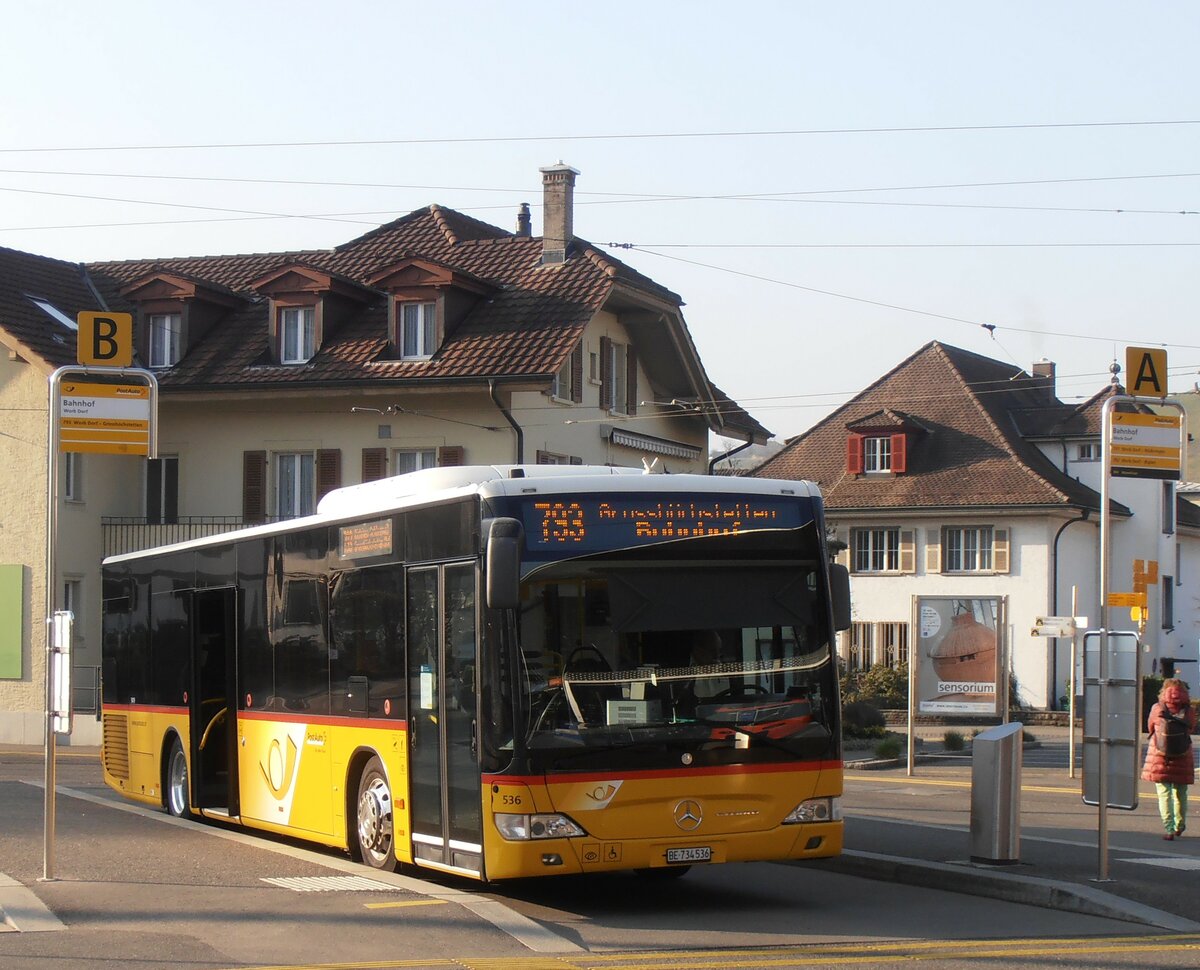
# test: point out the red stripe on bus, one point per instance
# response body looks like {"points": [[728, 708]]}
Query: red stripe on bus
{"points": [[397, 724], [552, 777], [145, 708]]}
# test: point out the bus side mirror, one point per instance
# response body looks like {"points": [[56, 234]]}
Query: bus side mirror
{"points": [[504, 538], [839, 589]]}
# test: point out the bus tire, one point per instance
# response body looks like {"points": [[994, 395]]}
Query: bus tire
{"points": [[374, 818], [663, 872], [178, 797]]}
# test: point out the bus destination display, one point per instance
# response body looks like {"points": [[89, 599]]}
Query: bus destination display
{"points": [[581, 523], [366, 539]]}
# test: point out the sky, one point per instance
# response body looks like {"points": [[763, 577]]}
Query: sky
{"points": [[827, 186]]}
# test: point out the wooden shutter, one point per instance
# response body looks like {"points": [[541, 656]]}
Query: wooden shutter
{"points": [[329, 471], [1000, 556], [899, 453], [606, 373], [631, 391], [543, 458], [450, 455], [933, 550], [908, 551], [854, 454], [374, 464], [254, 486], [577, 374]]}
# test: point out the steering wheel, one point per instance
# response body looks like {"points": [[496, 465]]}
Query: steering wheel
{"points": [[740, 690], [591, 651]]}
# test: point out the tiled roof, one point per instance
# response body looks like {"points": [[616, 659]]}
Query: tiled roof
{"points": [[972, 454], [25, 327], [525, 329]]}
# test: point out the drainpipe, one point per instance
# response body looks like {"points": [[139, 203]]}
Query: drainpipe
{"points": [[520, 460], [729, 454], [1054, 604]]}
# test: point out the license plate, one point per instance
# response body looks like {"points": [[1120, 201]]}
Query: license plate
{"points": [[696, 853]]}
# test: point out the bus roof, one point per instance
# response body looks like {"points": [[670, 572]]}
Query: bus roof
{"points": [[438, 484]]}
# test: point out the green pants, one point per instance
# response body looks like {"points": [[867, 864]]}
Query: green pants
{"points": [[1172, 805]]}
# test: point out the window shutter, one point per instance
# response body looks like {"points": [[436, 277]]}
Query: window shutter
{"points": [[254, 486], [577, 374], [374, 464], [631, 391], [899, 453], [908, 551], [329, 471], [933, 550], [1000, 557], [575, 460], [450, 455], [854, 454], [543, 458], [606, 373]]}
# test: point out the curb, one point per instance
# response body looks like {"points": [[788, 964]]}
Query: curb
{"points": [[975, 880]]}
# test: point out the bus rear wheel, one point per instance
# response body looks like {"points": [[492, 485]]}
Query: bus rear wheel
{"points": [[374, 817], [178, 796]]}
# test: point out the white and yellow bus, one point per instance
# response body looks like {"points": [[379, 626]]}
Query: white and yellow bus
{"points": [[497, 672]]}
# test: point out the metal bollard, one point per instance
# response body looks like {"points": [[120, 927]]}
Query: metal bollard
{"points": [[996, 796]]}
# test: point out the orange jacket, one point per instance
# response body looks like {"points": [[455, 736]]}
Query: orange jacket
{"points": [[1158, 767]]}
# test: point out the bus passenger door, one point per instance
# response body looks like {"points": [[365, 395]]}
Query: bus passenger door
{"points": [[445, 795], [213, 700]]}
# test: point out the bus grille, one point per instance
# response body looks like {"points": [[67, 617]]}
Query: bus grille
{"points": [[116, 745]]}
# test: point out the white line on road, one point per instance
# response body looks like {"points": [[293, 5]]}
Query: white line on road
{"points": [[22, 911]]}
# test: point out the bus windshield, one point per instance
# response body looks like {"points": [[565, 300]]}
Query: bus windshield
{"points": [[628, 666]]}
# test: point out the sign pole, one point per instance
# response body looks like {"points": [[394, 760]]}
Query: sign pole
{"points": [[1072, 688]]}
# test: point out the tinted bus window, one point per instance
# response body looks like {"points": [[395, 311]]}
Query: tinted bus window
{"points": [[255, 680], [443, 532], [366, 634], [215, 567], [297, 607]]}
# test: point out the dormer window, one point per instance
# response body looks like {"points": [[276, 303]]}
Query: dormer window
{"points": [[165, 339], [297, 334], [876, 454], [418, 329]]}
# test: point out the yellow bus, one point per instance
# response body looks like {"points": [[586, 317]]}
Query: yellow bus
{"points": [[498, 672]]}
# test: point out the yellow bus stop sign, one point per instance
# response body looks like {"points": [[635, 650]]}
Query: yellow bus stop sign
{"points": [[105, 339], [1145, 372]]}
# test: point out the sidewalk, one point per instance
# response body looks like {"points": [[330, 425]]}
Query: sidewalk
{"points": [[916, 830]]}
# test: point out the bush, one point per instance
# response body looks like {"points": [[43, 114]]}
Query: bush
{"points": [[888, 748], [861, 714], [953, 741], [885, 687]]}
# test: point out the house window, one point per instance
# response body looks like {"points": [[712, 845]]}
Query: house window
{"points": [[967, 549], [563, 387], [876, 550], [413, 460], [73, 476], [418, 329], [859, 654], [1168, 508], [877, 454], [1168, 603], [162, 490], [1088, 451], [165, 329], [894, 643], [294, 484], [593, 367], [298, 334], [620, 386], [72, 599]]}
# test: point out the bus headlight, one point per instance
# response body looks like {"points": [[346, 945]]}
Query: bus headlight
{"points": [[815, 810], [522, 828]]}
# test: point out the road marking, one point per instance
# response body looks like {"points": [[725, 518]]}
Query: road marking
{"points": [[22, 912], [1174, 862], [529, 933], [329, 884]]}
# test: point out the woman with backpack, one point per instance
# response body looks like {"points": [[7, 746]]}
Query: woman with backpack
{"points": [[1169, 763]]}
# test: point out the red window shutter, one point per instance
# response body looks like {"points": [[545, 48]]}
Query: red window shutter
{"points": [[631, 391], [899, 452], [254, 486], [577, 374], [606, 373], [374, 464], [450, 455], [329, 471], [854, 454]]}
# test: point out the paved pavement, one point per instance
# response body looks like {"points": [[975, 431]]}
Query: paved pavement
{"points": [[916, 830]]}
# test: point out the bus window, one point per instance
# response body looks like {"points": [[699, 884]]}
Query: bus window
{"points": [[366, 641]]}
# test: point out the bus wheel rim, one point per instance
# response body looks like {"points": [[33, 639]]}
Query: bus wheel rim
{"points": [[178, 792], [375, 820]]}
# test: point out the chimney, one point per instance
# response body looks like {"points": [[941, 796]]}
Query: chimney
{"points": [[1043, 375], [558, 203], [523, 226]]}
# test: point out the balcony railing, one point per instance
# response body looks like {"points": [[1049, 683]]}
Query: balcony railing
{"points": [[132, 533]]}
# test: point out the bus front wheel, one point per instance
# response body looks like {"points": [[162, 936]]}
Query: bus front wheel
{"points": [[178, 796], [376, 841]]}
